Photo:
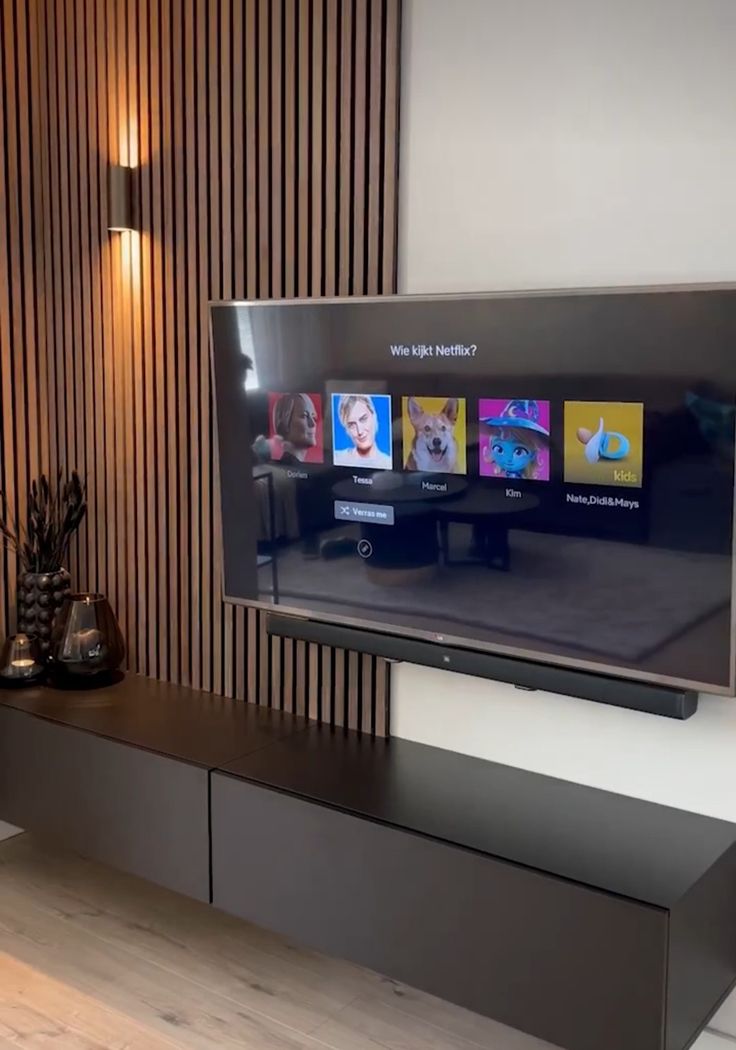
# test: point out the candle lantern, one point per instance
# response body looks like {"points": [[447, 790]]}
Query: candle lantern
{"points": [[86, 640], [21, 661]]}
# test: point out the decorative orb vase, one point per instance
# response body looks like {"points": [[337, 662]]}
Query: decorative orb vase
{"points": [[40, 597], [86, 642]]}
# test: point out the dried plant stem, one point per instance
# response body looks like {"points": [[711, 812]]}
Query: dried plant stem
{"points": [[53, 516]]}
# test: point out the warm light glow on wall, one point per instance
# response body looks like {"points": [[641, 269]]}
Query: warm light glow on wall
{"points": [[128, 143], [130, 258]]}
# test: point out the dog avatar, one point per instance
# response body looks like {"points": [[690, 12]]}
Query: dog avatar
{"points": [[434, 446]]}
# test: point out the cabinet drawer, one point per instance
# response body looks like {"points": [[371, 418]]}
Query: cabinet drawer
{"points": [[130, 808], [578, 967]]}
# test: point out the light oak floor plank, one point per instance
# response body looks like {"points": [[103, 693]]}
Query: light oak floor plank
{"points": [[36, 1010], [93, 959], [427, 1010], [184, 936], [371, 1022]]}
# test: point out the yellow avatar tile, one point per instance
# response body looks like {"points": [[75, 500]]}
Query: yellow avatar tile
{"points": [[604, 443]]}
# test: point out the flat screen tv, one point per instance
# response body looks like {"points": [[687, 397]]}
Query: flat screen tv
{"points": [[547, 476]]}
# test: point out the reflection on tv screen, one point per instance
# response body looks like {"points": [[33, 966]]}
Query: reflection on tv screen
{"points": [[550, 476]]}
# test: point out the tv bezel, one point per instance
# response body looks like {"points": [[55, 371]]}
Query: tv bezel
{"points": [[533, 656]]}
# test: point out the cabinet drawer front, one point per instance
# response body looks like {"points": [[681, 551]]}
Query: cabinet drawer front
{"points": [[133, 809], [571, 965]]}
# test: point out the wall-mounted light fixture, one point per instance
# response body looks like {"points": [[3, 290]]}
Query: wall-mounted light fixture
{"points": [[121, 199]]}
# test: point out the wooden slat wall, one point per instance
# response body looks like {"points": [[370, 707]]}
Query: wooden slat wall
{"points": [[264, 135], [24, 419]]}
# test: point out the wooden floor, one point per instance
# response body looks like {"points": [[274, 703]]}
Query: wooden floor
{"points": [[92, 959]]}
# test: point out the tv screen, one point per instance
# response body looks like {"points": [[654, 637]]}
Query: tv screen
{"points": [[544, 475]]}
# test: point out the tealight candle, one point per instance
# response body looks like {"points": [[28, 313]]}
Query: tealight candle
{"points": [[20, 661]]}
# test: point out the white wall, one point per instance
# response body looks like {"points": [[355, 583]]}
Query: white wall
{"points": [[690, 765], [578, 142], [574, 143]]}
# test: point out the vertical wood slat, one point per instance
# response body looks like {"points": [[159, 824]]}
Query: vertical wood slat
{"points": [[194, 494], [7, 428], [66, 347], [303, 139], [24, 189], [215, 234], [390, 139], [352, 706], [8, 452], [290, 139], [43, 199], [373, 147], [251, 150], [277, 690], [263, 193], [359, 99], [16, 273], [84, 277], [345, 150], [119, 138], [264, 132], [332, 31], [96, 184], [339, 697], [202, 374], [138, 599], [318, 174], [169, 61], [222, 236], [154, 235], [109, 332], [183, 428], [37, 305], [276, 150], [148, 421], [326, 702], [24, 317], [300, 676], [238, 263]]}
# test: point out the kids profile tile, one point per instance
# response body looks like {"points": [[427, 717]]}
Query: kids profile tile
{"points": [[514, 438], [295, 428], [434, 434], [361, 431], [604, 442]]}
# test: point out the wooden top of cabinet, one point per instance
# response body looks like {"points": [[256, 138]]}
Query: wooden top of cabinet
{"points": [[172, 720], [636, 849]]}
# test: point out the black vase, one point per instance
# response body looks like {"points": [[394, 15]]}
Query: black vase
{"points": [[40, 596], [86, 642]]}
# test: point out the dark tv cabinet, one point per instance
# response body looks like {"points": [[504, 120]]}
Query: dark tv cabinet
{"points": [[591, 920], [122, 774]]}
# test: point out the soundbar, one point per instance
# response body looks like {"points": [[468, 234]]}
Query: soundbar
{"points": [[524, 674]]}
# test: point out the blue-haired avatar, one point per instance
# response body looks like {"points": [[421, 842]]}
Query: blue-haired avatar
{"points": [[518, 445]]}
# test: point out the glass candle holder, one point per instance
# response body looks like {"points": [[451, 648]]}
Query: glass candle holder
{"points": [[21, 661], [86, 641]]}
